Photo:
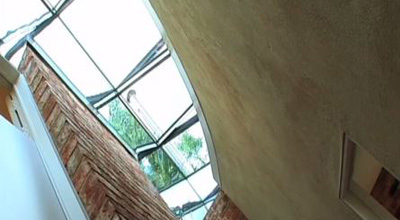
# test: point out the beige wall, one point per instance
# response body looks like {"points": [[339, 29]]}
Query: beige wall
{"points": [[365, 170], [279, 83]]}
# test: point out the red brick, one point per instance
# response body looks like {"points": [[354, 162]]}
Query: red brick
{"points": [[92, 195], [116, 217], [74, 161], [48, 106], [68, 148], [224, 208], [81, 173], [91, 153], [43, 99], [53, 116], [64, 134], [107, 211], [40, 89], [35, 82]]}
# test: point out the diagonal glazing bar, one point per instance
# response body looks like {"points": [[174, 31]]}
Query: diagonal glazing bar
{"points": [[148, 147], [191, 206], [174, 123], [150, 57], [125, 87], [177, 131]]}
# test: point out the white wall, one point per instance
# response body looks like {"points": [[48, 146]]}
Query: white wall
{"points": [[25, 189], [35, 127]]}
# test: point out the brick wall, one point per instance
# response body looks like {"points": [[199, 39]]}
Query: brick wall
{"points": [[224, 209], [107, 179]]}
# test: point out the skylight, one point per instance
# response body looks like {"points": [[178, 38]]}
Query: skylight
{"points": [[117, 63]]}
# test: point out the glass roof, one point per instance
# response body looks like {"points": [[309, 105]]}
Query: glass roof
{"points": [[118, 66], [71, 59], [125, 124], [13, 16], [161, 95], [116, 41]]}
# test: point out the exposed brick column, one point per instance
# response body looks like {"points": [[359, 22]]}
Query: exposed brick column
{"points": [[107, 179], [224, 209]]}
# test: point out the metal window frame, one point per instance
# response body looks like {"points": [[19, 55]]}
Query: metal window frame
{"points": [[128, 84], [80, 97], [145, 128], [175, 122], [164, 138], [186, 177], [47, 59], [139, 70], [31, 40], [202, 118], [202, 203], [37, 48], [175, 132], [39, 28]]}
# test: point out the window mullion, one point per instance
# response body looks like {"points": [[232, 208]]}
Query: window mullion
{"points": [[175, 122], [134, 81], [178, 130]]}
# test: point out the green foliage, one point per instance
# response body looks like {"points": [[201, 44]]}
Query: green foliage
{"points": [[191, 146], [162, 171], [127, 127]]}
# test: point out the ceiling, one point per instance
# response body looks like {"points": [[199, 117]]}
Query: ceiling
{"points": [[279, 83]]}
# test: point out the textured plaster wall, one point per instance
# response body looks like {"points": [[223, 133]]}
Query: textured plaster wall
{"points": [[279, 83]]}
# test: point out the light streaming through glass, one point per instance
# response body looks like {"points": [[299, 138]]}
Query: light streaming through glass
{"points": [[93, 56]]}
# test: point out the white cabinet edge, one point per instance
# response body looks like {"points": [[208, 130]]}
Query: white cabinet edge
{"points": [[36, 128]]}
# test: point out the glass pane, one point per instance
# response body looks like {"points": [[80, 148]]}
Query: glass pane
{"points": [[190, 114], [160, 169], [15, 13], [197, 214], [209, 204], [16, 59], [117, 34], [125, 124], [5, 48], [71, 59], [54, 3], [159, 98], [189, 149], [203, 182], [179, 195]]}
